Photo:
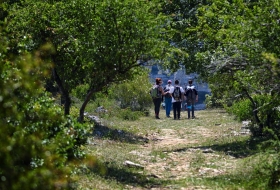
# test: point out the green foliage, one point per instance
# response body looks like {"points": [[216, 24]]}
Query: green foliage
{"points": [[271, 169], [38, 144], [269, 113], [110, 108], [223, 93], [213, 102], [133, 94], [127, 114], [80, 91], [96, 43], [26, 162], [241, 109], [102, 106], [183, 16], [266, 171], [74, 112], [128, 100], [237, 58]]}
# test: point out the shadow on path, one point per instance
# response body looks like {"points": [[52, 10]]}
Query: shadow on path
{"points": [[102, 131], [134, 178], [238, 149]]}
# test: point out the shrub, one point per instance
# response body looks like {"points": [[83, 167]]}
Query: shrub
{"points": [[264, 106], [80, 91], [37, 142], [242, 110], [212, 102], [133, 94], [266, 172], [127, 114], [109, 106]]}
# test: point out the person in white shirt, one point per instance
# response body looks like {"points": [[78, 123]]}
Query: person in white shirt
{"points": [[177, 98], [168, 98]]}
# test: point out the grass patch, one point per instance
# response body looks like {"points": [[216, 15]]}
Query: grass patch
{"points": [[204, 153]]}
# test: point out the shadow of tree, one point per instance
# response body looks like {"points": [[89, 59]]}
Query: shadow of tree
{"points": [[127, 176], [131, 176], [237, 149], [102, 131]]}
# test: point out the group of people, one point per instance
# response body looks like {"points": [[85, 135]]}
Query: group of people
{"points": [[173, 97]]}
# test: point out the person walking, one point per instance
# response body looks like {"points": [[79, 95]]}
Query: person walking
{"points": [[192, 97], [177, 97], [168, 98], [157, 93]]}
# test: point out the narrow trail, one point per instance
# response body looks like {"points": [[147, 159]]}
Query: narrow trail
{"points": [[173, 154], [183, 151]]}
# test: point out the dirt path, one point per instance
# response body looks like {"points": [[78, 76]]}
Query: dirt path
{"points": [[181, 153], [176, 153]]}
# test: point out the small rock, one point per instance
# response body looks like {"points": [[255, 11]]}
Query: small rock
{"points": [[132, 164], [209, 150]]}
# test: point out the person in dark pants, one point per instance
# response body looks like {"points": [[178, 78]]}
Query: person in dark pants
{"points": [[177, 98], [192, 97], [158, 97], [168, 98]]}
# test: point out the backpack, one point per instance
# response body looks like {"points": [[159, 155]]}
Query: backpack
{"points": [[190, 93], [177, 93], [155, 92], [166, 89]]}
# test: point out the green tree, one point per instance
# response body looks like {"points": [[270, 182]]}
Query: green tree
{"points": [[124, 35], [239, 57], [33, 23], [30, 126], [182, 17], [38, 143], [96, 42]]}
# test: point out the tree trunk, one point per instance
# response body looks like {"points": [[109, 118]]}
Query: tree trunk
{"points": [[255, 111], [66, 100], [82, 109]]}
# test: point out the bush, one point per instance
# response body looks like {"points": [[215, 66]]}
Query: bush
{"points": [[37, 142], [212, 102], [266, 172], [109, 106], [80, 91], [133, 94], [268, 114], [127, 114], [242, 110]]}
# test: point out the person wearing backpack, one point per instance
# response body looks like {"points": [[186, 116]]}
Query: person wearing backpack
{"points": [[192, 97], [168, 98], [177, 98], [157, 93]]}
